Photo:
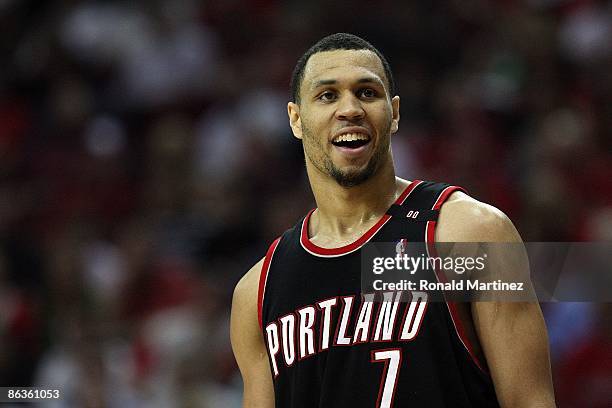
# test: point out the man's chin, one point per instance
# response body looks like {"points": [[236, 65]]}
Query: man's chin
{"points": [[351, 177]]}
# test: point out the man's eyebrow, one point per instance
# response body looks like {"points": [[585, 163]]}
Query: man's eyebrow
{"points": [[367, 80], [364, 80], [323, 82]]}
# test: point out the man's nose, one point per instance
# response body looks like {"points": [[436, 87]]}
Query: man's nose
{"points": [[349, 108]]}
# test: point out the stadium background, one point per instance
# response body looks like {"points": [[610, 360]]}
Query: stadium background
{"points": [[146, 163]]}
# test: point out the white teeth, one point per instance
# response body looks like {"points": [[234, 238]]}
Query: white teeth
{"points": [[350, 137]]}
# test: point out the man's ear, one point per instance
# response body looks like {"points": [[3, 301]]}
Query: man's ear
{"points": [[295, 121], [395, 104]]}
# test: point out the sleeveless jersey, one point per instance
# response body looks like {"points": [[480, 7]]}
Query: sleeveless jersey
{"points": [[329, 345]]}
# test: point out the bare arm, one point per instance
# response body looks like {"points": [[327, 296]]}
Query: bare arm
{"points": [[248, 344], [512, 334]]}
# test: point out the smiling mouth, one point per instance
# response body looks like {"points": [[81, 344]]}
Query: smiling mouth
{"points": [[351, 140]]}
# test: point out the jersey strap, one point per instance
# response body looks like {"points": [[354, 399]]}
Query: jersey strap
{"points": [[420, 216], [452, 306], [263, 279]]}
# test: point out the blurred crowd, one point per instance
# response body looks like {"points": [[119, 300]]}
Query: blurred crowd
{"points": [[146, 163]]}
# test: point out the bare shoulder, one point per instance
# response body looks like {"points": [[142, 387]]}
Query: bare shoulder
{"points": [[244, 323], [465, 219], [245, 292]]}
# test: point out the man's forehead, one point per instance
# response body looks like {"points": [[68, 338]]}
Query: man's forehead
{"points": [[324, 63]]}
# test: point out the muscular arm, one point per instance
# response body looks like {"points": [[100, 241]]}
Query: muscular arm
{"points": [[248, 343], [512, 334]]}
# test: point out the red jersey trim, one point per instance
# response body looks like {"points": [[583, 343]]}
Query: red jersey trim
{"points": [[263, 279], [430, 230], [316, 250]]}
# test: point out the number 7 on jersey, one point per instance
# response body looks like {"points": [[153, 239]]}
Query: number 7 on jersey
{"points": [[392, 359]]}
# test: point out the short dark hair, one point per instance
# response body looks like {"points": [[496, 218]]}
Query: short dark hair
{"points": [[338, 41]]}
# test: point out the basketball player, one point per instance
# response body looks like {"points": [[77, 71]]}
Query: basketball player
{"points": [[303, 333]]}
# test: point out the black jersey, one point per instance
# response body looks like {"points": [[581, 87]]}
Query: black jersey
{"points": [[329, 345]]}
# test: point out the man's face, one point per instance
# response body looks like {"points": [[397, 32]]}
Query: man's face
{"points": [[345, 116]]}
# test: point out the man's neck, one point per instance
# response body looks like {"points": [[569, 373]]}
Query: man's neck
{"points": [[344, 213]]}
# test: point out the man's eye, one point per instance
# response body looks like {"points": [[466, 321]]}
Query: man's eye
{"points": [[367, 93], [327, 96]]}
